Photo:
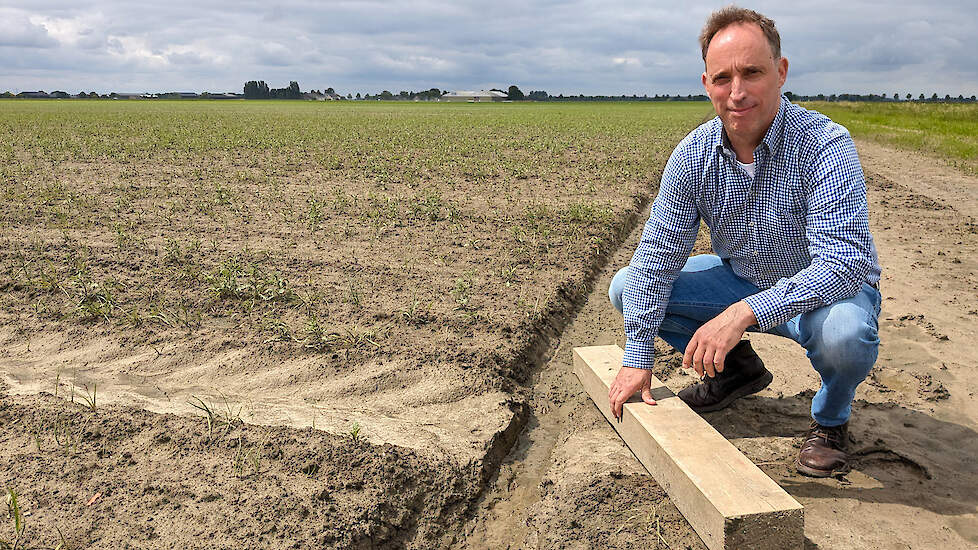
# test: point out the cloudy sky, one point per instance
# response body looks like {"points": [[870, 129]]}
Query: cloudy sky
{"points": [[569, 47]]}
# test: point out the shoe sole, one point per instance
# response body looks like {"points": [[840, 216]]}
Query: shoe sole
{"points": [[813, 472], [749, 389]]}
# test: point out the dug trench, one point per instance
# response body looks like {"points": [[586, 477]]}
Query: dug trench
{"points": [[569, 481]]}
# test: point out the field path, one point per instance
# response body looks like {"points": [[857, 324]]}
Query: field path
{"points": [[922, 174]]}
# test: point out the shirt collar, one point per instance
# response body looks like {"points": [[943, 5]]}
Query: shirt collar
{"points": [[772, 138]]}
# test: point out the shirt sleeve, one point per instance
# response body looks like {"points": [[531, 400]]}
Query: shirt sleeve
{"points": [[839, 240], [666, 242]]}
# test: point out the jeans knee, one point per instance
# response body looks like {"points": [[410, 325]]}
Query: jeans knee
{"points": [[846, 340], [702, 262], [617, 287]]}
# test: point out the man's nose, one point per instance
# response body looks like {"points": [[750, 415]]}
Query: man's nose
{"points": [[737, 89]]}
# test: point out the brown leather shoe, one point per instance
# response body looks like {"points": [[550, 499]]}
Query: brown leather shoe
{"points": [[824, 452], [743, 374]]}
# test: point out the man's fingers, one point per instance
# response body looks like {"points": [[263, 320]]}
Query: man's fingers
{"points": [[647, 396], [688, 354], [698, 360], [718, 360], [688, 361], [708, 362]]}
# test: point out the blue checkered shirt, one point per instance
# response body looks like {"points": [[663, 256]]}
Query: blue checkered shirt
{"points": [[798, 229]]}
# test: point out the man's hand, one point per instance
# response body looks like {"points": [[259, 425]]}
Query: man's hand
{"points": [[628, 381], [710, 344]]}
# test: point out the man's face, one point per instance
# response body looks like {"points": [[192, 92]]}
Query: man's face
{"points": [[744, 81]]}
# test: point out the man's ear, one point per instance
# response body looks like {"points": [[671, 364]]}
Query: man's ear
{"points": [[703, 79], [782, 71]]}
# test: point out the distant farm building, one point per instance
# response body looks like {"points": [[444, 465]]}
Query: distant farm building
{"points": [[327, 96], [225, 95], [179, 95], [481, 96]]}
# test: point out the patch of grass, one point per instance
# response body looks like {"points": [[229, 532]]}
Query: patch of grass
{"points": [[317, 212], [247, 456], [235, 279], [95, 300], [947, 131], [180, 316], [428, 205], [586, 213]]}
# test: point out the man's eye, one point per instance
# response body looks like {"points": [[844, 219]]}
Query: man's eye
{"points": [[721, 80]]}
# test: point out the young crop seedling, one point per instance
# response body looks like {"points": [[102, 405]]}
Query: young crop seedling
{"points": [[355, 295], [417, 312], [315, 336], [96, 300], [355, 436], [463, 285], [237, 461], [63, 436], [36, 436], [89, 398], [229, 417], [17, 518]]}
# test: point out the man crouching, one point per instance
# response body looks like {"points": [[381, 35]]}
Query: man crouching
{"points": [[783, 194]]}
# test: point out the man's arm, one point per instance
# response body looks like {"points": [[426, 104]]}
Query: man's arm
{"points": [[839, 241], [667, 239]]}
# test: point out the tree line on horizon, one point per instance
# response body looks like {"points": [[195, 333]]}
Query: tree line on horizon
{"points": [[259, 89]]}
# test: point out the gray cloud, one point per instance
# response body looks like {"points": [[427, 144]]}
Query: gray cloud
{"points": [[17, 31], [580, 46]]}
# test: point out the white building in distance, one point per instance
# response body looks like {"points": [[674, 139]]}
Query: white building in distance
{"points": [[481, 96]]}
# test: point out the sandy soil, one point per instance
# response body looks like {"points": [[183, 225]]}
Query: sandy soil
{"points": [[402, 446], [571, 482], [426, 337], [364, 274]]}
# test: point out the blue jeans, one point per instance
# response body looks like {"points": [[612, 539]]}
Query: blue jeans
{"points": [[841, 338]]}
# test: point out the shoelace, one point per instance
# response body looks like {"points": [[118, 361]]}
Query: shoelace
{"points": [[831, 435]]}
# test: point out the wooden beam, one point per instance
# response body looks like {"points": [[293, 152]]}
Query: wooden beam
{"points": [[728, 500]]}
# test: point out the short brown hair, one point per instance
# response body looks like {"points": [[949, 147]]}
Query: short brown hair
{"points": [[730, 15]]}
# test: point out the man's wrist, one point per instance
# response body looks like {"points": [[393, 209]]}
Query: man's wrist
{"points": [[744, 315], [639, 354]]}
